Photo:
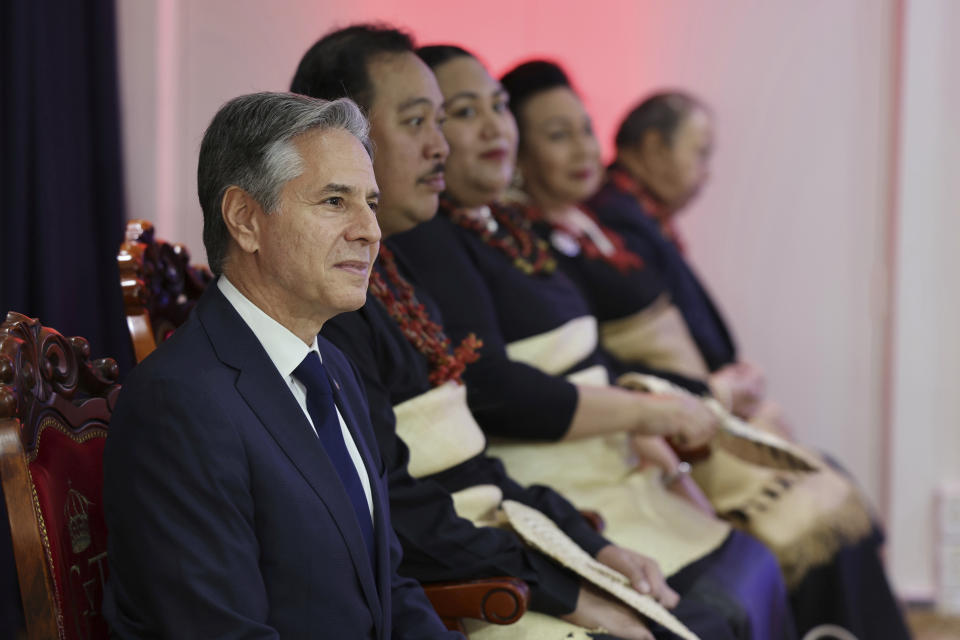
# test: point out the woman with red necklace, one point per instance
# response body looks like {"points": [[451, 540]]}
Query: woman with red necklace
{"points": [[492, 277], [830, 562], [558, 167]]}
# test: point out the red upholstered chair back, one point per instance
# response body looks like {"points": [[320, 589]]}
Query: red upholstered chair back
{"points": [[159, 284], [55, 405]]}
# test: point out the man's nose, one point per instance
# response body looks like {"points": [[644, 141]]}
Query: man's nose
{"points": [[437, 147], [365, 227]]}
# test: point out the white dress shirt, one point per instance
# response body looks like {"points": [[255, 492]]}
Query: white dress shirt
{"points": [[287, 351]]}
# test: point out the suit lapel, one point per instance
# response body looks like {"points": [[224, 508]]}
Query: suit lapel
{"points": [[268, 395]]}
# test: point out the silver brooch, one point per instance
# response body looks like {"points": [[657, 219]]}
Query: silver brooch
{"points": [[564, 243]]}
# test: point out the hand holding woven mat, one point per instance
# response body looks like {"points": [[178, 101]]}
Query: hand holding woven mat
{"points": [[736, 436], [541, 533]]}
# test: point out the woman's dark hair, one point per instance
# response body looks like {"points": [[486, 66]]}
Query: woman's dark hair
{"points": [[531, 78], [663, 112], [337, 65], [437, 54]]}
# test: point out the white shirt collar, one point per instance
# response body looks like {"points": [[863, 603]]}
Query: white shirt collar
{"points": [[285, 349]]}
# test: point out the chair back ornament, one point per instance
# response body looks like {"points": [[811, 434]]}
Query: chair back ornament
{"points": [[55, 404], [160, 286]]}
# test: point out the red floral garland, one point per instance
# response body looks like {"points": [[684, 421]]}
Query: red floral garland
{"points": [[625, 182], [622, 259], [423, 333], [528, 252]]}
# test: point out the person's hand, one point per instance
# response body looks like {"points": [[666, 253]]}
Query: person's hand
{"points": [[740, 387], [644, 573], [770, 417], [690, 424], [654, 450], [753, 389], [596, 609]]}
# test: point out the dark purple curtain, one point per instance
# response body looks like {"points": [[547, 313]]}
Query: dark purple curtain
{"points": [[61, 201], [61, 205]]}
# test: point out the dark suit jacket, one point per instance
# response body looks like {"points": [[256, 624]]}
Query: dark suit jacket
{"points": [[226, 518]]}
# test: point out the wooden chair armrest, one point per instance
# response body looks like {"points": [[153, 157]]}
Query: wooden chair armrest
{"points": [[496, 600], [594, 519]]}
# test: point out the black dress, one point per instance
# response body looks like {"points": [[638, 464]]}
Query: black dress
{"points": [[852, 590], [479, 290], [613, 291], [621, 211]]}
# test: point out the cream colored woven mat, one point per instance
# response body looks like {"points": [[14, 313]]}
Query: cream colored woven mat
{"points": [[541, 533], [736, 436]]}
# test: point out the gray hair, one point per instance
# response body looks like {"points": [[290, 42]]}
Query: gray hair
{"points": [[249, 144], [663, 112]]}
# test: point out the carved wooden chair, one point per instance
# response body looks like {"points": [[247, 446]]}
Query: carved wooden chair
{"points": [[55, 404], [159, 284]]}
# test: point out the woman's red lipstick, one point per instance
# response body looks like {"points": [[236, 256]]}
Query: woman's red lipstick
{"points": [[494, 154]]}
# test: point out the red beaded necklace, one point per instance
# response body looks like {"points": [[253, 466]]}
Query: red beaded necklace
{"points": [[423, 333], [622, 259], [650, 205], [527, 251]]}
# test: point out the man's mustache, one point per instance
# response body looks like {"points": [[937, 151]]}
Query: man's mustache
{"points": [[438, 169]]}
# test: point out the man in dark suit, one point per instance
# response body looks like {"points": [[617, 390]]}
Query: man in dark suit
{"points": [[243, 489]]}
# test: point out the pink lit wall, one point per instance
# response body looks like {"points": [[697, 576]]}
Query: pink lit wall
{"points": [[598, 44], [181, 60], [793, 234]]}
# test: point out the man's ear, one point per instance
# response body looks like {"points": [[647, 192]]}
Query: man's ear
{"points": [[240, 214]]}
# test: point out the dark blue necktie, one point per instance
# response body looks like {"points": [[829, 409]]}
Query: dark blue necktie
{"points": [[323, 411]]}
